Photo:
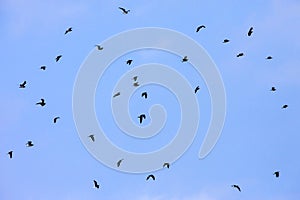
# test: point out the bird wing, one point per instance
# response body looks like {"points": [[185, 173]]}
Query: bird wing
{"points": [[123, 9]]}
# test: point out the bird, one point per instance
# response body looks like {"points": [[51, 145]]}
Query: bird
{"points": [[42, 102], [185, 59], [124, 10], [117, 94], [119, 162], [134, 78], [250, 31], [43, 67], [150, 176], [128, 62], [55, 119], [237, 187], [58, 57], [225, 40], [99, 47], [166, 165], [141, 117], [92, 137], [196, 89], [145, 95], [10, 153], [269, 57], [96, 185], [284, 106], [273, 89], [136, 84], [240, 54], [29, 144], [68, 30], [276, 174], [22, 85], [200, 27]]}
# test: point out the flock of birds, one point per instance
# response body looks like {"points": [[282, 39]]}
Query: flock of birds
{"points": [[141, 117]]}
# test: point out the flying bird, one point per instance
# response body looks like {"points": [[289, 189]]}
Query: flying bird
{"points": [[96, 185], [43, 67], [134, 78], [136, 84], [273, 89], [58, 58], [166, 165], [22, 85], [200, 27], [276, 174], [185, 59], [99, 47], [68, 30], [145, 95], [240, 54], [117, 94], [284, 106], [150, 176], [250, 31], [92, 137], [42, 102], [124, 10], [196, 89], [119, 162], [29, 144], [237, 187], [55, 119], [128, 62], [10, 153], [269, 57], [225, 40], [141, 117]]}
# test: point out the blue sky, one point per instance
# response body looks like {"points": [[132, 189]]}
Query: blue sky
{"points": [[258, 137]]}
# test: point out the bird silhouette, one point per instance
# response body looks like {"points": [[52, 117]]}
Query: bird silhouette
{"points": [[237, 187], [199, 28], [128, 62], [55, 119], [250, 31], [99, 47], [92, 137], [196, 89], [58, 58], [269, 57], [96, 185], [136, 84], [124, 10], [225, 40], [141, 117], [42, 102], [117, 94], [150, 176], [166, 165], [43, 67], [240, 54], [10, 153], [145, 95], [284, 106], [135, 78], [276, 174], [29, 144], [23, 85], [184, 59], [68, 30], [119, 162], [273, 89]]}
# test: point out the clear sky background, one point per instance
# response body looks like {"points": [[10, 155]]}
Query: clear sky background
{"points": [[258, 136]]}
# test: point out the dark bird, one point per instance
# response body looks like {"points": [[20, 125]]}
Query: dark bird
{"points": [[22, 85], [150, 176], [55, 119], [136, 84], [119, 162], [141, 117], [42, 102], [99, 47], [92, 137], [200, 27], [250, 31], [269, 57], [196, 89], [43, 67], [134, 78], [117, 94], [58, 57], [145, 95], [284, 106], [68, 30], [29, 144], [96, 185], [237, 187], [185, 59], [128, 62], [276, 174], [240, 54], [124, 10], [225, 40], [273, 89], [166, 165], [10, 153]]}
